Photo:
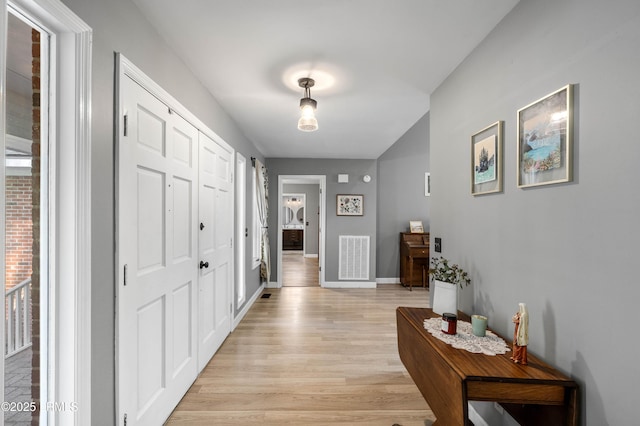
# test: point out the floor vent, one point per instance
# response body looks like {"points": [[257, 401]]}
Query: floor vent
{"points": [[354, 257], [266, 296]]}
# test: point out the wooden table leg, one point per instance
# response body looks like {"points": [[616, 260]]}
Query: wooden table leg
{"points": [[410, 273]]}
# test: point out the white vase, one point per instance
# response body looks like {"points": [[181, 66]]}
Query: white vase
{"points": [[445, 297]]}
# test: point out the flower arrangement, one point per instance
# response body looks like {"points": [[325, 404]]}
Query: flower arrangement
{"points": [[442, 270]]}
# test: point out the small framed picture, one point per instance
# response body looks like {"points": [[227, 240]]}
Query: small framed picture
{"points": [[486, 160], [349, 205], [415, 226], [545, 140]]}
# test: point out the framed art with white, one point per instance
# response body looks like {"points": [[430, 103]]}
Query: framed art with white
{"points": [[350, 205]]}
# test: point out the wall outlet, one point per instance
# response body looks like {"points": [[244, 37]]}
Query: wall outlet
{"points": [[438, 245]]}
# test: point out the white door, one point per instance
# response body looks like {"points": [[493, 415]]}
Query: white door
{"points": [[215, 248], [157, 258]]}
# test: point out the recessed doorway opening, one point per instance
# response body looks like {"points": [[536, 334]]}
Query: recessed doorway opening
{"points": [[301, 219]]}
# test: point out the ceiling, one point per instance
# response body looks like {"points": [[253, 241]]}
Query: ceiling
{"points": [[375, 63]]}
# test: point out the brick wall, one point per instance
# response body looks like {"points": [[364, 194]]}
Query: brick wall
{"points": [[19, 230]]}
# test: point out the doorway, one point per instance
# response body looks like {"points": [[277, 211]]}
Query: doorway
{"points": [[301, 218], [48, 148], [26, 214]]}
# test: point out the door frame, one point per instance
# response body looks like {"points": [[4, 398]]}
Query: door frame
{"points": [[320, 180], [69, 305]]}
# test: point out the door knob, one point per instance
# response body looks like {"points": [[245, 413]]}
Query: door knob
{"points": [[204, 264], [201, 226]]}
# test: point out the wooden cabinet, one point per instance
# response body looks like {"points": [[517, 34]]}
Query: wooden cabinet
{"points": [[414, 259], [292, 239]]}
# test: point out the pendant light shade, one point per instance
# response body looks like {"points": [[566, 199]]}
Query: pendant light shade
{"points": [[307, 121]]}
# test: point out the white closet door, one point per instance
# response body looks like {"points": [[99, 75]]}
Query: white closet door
{"points": [[215, 247], [157, 258]]}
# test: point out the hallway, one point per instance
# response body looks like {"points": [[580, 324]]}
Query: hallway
{"points": [[312, 356], [299, 271]]}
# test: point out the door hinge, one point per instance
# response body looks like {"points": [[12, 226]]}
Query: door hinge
{"points": [[125, 275], [125, 419], [126, 122], [231, 242]]}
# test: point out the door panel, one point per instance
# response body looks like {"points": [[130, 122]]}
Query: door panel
{"points": [[215, 247], [151, 220], [157, 237], [182, 310], [150, 337]]}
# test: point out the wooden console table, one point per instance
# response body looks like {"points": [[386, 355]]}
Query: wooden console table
{"points": [[534, 394]]}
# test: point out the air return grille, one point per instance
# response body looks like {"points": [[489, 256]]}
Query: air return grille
{"points": [[354, 257]]}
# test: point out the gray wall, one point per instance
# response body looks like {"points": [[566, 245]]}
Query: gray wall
{"points": [[312, 199], [401, 196], [336, 225], [570, 250], [118, 26]]}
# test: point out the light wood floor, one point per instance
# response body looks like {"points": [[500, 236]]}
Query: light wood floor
{"points": [[311, 356], [299, 271]]}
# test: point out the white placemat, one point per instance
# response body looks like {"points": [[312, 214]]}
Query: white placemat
{"points": [[490, 344]]}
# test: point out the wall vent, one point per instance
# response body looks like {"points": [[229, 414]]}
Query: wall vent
{"points": [[354, 257]]}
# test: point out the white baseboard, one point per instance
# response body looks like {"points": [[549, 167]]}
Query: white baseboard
{"points": [[248, 304], [272, 284], [388, 280], [311, 255], [349, 284]]}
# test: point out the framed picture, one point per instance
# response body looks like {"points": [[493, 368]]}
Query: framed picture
{"points": [[486, 160], [415, 226], [349, 205], [545, 140]]}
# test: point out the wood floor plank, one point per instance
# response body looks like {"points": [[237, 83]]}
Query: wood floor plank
{"points": [[311, 356]]}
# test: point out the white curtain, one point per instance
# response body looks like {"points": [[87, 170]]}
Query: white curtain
{"points": [[262, 187]]}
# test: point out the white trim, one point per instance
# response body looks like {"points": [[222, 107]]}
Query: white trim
{"points": [[388, 280], [240, 315], [349, 284], [69, 325], [256, 226], [311, 256], [240, 292], [3, 44], [273, 284]]}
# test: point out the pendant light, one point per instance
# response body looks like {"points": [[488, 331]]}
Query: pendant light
{"points": [[307, 122]]}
